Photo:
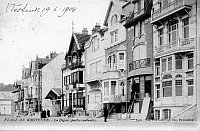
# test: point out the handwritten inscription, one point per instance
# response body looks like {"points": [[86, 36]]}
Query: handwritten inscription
{"points": [[27, 8]]}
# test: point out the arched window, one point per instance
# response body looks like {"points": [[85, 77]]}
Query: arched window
{"points": [[178, 76], [168, 76], [114, 19]]}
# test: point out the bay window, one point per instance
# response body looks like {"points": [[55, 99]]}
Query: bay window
{"points": [[167, 88], [190, 87], [186, 28], [164, 64], [178, 87], [190, 61], [113, 86], [178, 59]]}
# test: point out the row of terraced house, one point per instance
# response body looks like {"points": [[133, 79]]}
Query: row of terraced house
{"points": [[143, 64]]}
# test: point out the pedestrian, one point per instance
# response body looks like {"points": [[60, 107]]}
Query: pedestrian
{"points": [[48, 113], [105, 111], [45, 114], [42, 114]]}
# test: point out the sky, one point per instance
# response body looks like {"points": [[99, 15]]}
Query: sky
{"points": [[38, 27]]}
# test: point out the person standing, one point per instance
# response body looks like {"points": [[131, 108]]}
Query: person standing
{"points": [[45, 114], [48, 113], [105, 111]]}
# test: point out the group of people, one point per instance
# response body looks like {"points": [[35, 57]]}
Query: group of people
{"points": [[45, 113]]}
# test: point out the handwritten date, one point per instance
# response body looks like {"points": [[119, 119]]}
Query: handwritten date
{"points": [[27, 8]]}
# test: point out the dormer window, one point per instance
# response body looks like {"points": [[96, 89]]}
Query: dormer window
{"points": [[114, 19]]}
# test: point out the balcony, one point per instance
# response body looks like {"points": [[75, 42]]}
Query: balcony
{"points": [[74, 65], [141, 14], [177, 7], [177, 45], [142, 63], [93, 77]]}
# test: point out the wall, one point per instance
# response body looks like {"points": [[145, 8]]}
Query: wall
{"points": [[51, 77]]}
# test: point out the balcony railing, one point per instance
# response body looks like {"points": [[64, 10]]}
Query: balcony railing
{"points": [[138, 13], [74, 65], [179, 44], [173, 6], [142, 63]]}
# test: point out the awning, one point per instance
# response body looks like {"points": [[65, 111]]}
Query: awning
{"points": [[54, 93]]}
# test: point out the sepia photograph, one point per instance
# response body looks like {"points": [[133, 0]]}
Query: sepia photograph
{"points": [[100, 65]]}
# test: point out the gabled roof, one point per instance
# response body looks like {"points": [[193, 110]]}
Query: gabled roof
{"points": [[54, 93], [79, 39], [109, 9]]}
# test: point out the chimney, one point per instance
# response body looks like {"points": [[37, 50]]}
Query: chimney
{"points": [[97, 27], [47, 57], [53, 55], [93, 31], [85, 31]]}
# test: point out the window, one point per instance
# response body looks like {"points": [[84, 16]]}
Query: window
{"points": [[114, 59], [64, 80], [157, 114], [167, 88], [139, 52], [80, 73], [112, 62], [68, 80], [190, 87], [157, 68], [106, 88], [113, 86], [121, 56], [186, 27], [114, 19], [160, 37], [167, 114], [114, 36], [157, 91], [141, 27], [95, 44], [178, 86], [164, 66], [172, 33], [190, 61], [178, 59], [169, 63]]}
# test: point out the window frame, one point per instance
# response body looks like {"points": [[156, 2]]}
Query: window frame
{"points": [[189, 59], [166, 114], [190, 86], [185, 26]]}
